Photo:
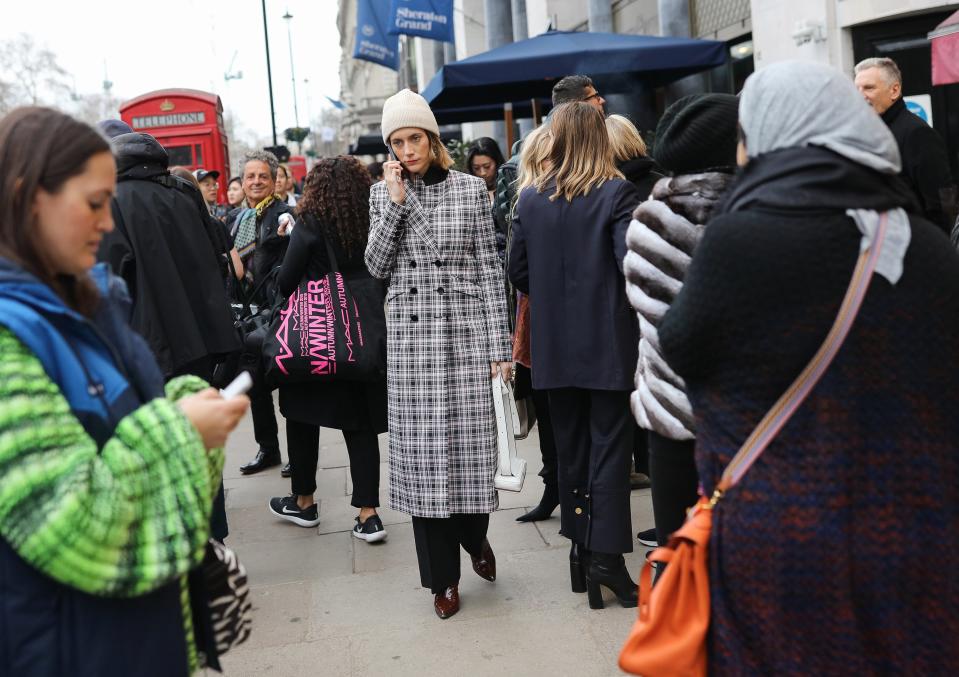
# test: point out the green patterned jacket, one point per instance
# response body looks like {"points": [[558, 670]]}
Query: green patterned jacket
{"points": [[119, 523]]}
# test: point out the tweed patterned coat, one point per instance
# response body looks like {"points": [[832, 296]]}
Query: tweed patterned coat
{"points": [[446, 321], [838, 553]]}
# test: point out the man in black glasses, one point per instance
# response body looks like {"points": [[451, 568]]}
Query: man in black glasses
{"points": [[578, 88]]}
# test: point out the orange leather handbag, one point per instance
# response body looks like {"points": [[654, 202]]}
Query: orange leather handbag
{"points": [[669, 636]]}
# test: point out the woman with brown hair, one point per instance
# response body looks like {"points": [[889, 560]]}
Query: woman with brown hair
{"points": [[431, 234], [106, 478], [568, 244], [332, 211], [285, 185]]}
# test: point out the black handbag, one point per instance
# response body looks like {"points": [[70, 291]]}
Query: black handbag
{"points": [[329, 328], [250, 322]]}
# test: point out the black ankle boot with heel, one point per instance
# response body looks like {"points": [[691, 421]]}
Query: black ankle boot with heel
{"points": [[578, 563], [609, 571], [547, 504]]}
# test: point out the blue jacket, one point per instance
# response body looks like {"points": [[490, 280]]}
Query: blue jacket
{"points": [[105, 371]]}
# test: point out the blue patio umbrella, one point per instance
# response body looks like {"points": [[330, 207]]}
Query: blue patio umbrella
{"points": [[528, 69], [521, 109]]}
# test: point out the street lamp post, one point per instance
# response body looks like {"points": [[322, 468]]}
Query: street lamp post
{"points": [[269, 72], [289, 37], [309, 114]]}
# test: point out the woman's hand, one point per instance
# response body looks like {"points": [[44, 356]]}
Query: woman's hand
{"points": [[393, 174], [212, 416], [503, 368]]}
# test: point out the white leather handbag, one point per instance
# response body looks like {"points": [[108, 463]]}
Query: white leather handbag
{"points": [[511, 470]]}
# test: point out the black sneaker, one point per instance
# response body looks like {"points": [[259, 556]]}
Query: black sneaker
{"points": [[285, 507], [648, 538], [371, 530]]}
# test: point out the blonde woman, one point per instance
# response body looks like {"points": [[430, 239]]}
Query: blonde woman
{"points": [[535, 158], [533, 162], [631, 156], [431, 235], [569, 240]]}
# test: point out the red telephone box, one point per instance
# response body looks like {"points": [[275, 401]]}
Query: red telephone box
{"points": [[297, 165], [188, 123]]}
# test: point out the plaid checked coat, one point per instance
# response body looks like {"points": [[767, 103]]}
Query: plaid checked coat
{"points": [[446, 321]]}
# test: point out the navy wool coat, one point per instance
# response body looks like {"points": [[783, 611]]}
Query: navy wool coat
{"points": [[568, 256]]}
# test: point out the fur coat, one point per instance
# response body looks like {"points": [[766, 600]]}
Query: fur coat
{"points": [[661, 238]]}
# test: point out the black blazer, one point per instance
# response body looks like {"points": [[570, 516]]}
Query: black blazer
{"points": [[568, 256]]}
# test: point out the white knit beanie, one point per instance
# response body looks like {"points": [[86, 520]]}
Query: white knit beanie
{"points": [[407, 109]]}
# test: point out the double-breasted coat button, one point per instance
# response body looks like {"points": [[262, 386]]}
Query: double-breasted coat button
{"points": [[440, 290], [578, 511], [438, 263], [414, 318], [412, 264], [413, 291]]}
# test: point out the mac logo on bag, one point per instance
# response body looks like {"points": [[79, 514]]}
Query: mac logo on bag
{"points": [[312, 315]]}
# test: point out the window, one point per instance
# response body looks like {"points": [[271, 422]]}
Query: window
{"points": [[198, 154], [180, 156]]}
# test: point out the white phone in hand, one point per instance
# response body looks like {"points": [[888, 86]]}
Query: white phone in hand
{"points": [[240, 385], [285, 222]]}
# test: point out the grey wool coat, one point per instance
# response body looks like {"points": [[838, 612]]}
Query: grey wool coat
{"points": [[446, 321]]}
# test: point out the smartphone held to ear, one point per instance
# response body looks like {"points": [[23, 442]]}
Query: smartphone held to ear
{"points": [[393, 157]]}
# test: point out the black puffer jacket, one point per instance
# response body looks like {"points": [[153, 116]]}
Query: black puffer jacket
{"points": [[165, 250], [661, 238]]}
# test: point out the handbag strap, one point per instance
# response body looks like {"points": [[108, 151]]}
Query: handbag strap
{"points": [[503, 395], [789, 402]]}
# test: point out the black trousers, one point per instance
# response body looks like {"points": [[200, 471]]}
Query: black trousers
{"points": [[265, 430], [640, 450], [594, 445], [675, 482], [303, 446], [438, 544], [219, 529], [547, 440]]}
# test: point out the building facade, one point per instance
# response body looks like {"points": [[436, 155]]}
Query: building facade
{"points": [[758, 32], [843, 32], [364, 86]]}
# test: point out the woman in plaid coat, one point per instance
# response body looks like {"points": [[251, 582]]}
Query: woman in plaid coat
{"points": [[431, 234]]}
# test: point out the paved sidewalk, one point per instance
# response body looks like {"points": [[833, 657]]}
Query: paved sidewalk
{"points": [[326, 603]]}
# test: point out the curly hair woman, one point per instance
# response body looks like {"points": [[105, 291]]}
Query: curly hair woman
{"points": [[332, 210]]}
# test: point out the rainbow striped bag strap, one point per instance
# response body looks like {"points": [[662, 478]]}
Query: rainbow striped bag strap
{"points": [[786, 406]]}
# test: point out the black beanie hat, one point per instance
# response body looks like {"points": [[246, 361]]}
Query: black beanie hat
{"points": [[114, 128], [698, 133]]}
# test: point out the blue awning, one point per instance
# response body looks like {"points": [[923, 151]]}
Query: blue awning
{"points": [[528, 69], [489, 111]]}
